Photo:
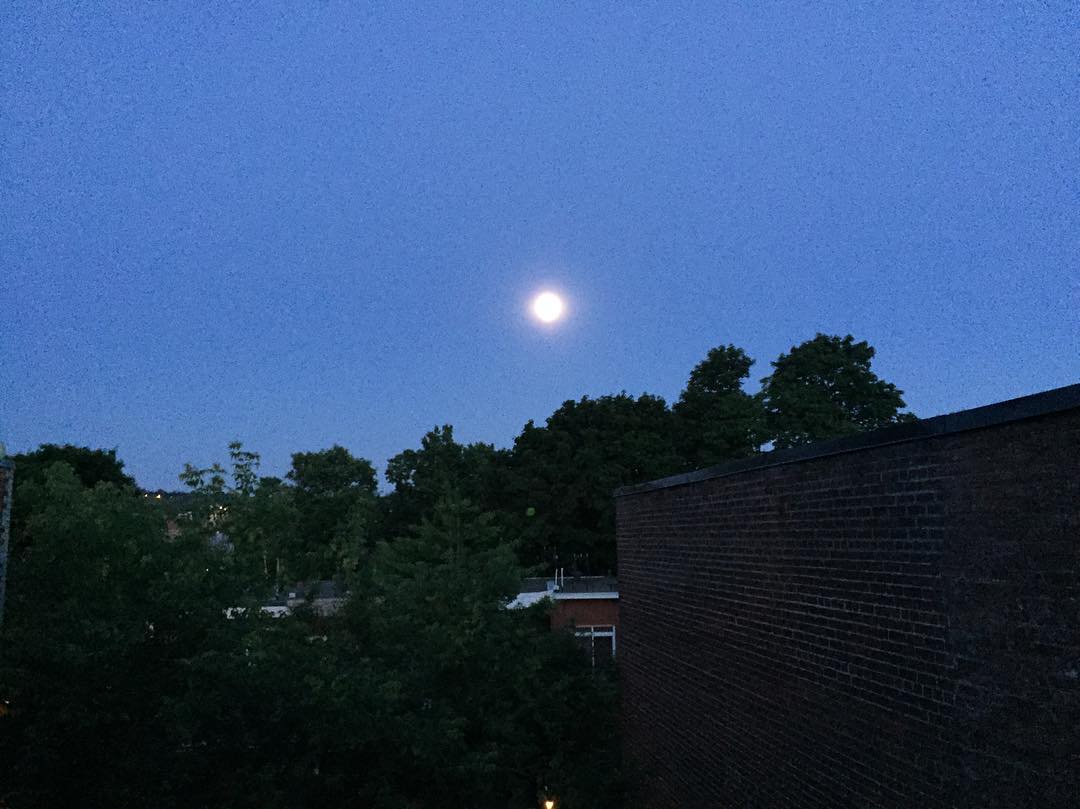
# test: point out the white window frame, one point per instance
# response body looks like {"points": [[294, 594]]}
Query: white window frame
{"points": [[596, 631]]}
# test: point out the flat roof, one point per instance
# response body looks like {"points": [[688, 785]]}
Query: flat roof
{"points": [[528, 598], [977, 418]]}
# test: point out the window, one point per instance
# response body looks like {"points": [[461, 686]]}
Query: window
{"points": [[598, 642]]}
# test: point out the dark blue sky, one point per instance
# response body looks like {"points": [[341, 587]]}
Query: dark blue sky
{"points": [[310, 223]]}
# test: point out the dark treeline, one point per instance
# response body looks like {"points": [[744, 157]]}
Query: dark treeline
{"points": [[137, 669], [551, 491]]}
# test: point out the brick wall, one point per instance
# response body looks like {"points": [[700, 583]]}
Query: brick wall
{"points": [[585, 612], [891, 620]]}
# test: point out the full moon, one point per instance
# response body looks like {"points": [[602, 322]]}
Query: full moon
{"points": [[548, 307]]}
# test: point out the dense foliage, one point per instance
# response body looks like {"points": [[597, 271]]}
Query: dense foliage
{"points": [[440, 466], [91, 466], [715, 419], [138, 671], [824, 388], [562, 475]]}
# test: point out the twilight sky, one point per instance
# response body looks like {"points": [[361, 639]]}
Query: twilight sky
{"points": [[312, 223]]}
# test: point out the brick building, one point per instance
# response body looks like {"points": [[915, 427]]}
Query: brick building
{"points": [[885, 620], [588, 604]]}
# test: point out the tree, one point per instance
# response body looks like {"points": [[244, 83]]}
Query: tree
{"points": [[230, 516], [317, 526], [563, 476], [334, 494], [103, 617], [715, 419], [137, 668], [824, 388], [211, 480], [90, 466], [441, 467], [265, 526], [488, 703], [331, 472]]}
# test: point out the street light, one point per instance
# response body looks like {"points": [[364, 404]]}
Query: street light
{"points": [[549, 804]]}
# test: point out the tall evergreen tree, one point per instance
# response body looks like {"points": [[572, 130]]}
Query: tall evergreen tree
{"points": [[513, 706]]}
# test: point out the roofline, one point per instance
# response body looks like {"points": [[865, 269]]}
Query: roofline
{"points": [[558, 595], [977, 418], [7, 463]]}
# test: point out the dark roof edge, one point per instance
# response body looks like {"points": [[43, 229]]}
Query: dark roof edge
{"points": [[977, 418], [7, 463]]}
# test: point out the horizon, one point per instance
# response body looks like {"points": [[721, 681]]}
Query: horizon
{"points": [[384, 487]]}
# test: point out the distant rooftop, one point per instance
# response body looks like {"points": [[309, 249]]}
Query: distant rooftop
{"points": [[566, 588]]}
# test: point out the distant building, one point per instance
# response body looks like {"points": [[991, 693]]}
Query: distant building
{"points": [[589, 604]]}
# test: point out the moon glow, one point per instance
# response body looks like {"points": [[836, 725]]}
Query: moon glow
{"points": [[548, 307]]}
